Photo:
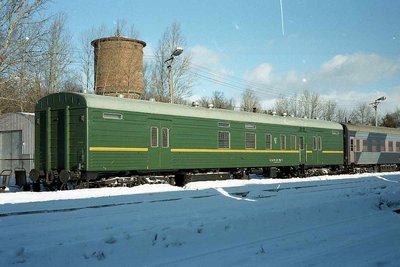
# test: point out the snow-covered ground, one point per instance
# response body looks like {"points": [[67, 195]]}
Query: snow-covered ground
{"points": [[346, 220]]}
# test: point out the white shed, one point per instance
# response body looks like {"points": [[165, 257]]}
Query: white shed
{"points": [[17, 141]]}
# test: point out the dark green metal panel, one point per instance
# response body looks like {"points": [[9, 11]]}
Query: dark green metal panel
{"points": [[117, 141], [60, 133]]}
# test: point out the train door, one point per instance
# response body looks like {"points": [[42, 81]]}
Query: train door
{"points": [[159, 144], [317, 149], [351, 150], [302, 150]]}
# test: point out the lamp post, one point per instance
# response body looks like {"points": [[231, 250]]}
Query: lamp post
{"points": [[375, 106], [174, 54]]}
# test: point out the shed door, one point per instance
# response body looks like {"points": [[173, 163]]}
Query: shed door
{"points": [[10, 150], [159, 144], [351, 150]]}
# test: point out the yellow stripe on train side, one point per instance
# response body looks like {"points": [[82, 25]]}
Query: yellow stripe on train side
{"points": [[201, 150], [118, 149], [332, 152]]}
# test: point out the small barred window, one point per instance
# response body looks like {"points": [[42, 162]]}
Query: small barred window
{"points": [[283, 142], [319, 144], [223, 139], [302, 144], [268, 141], [250, 141], [390, 146], [154, 136], [165, 137]]}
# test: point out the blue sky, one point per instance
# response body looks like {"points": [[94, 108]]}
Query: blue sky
{"points": [[344, 50]]}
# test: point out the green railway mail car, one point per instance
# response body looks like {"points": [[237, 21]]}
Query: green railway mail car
{"points": [[83, 136]]}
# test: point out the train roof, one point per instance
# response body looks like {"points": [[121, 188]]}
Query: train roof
{"points": [[133, 105], [373, 129]]}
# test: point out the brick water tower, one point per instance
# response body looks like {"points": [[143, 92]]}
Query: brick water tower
{"points": [[118, 66]]}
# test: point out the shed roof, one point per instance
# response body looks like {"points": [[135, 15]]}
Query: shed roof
{"points": [[125, 104], [16, 121]]}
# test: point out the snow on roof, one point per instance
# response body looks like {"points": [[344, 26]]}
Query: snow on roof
{"points": [[125, 104]]}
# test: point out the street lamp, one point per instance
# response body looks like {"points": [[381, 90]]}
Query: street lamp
{"points": [[174, 54], [375, 106]]}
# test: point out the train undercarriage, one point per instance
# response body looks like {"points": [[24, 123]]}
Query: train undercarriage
{"points": [[63, 180]]}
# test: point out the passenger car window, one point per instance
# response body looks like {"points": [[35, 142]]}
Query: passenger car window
{"points": [[154, 137], [250, 141], [165, 137], [268, 141], [223, 139]]}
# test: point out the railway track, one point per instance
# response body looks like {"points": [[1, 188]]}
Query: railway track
{"points": [[232, 191]]}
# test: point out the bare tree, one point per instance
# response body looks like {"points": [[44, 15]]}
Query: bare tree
{"points": [[218, 100], [22, 29], [59, 56], [391, 120], [86, 55], [121, 28], [341, 115], [310, 104], [329, 110], [281, 105], [250, 101], [19, 20], [158, 86], [362, 114]]}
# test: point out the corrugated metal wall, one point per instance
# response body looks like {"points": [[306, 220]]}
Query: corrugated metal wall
{"points": [[17, 137]]}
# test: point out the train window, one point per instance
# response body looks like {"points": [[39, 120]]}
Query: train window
{"points": [[358, 146], [390, 146], [283, 142], [397, 146], [112, 116], [154, 137], [165, 137], [314, 143], [374, 146], [301, 141], [319, 144], [224, 139], [365, 145], [268, 141], [250, 141], [383, 146], [292, 142]]}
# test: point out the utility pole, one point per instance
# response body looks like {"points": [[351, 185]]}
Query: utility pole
{"points": [[176, 52], [375, 106]]}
